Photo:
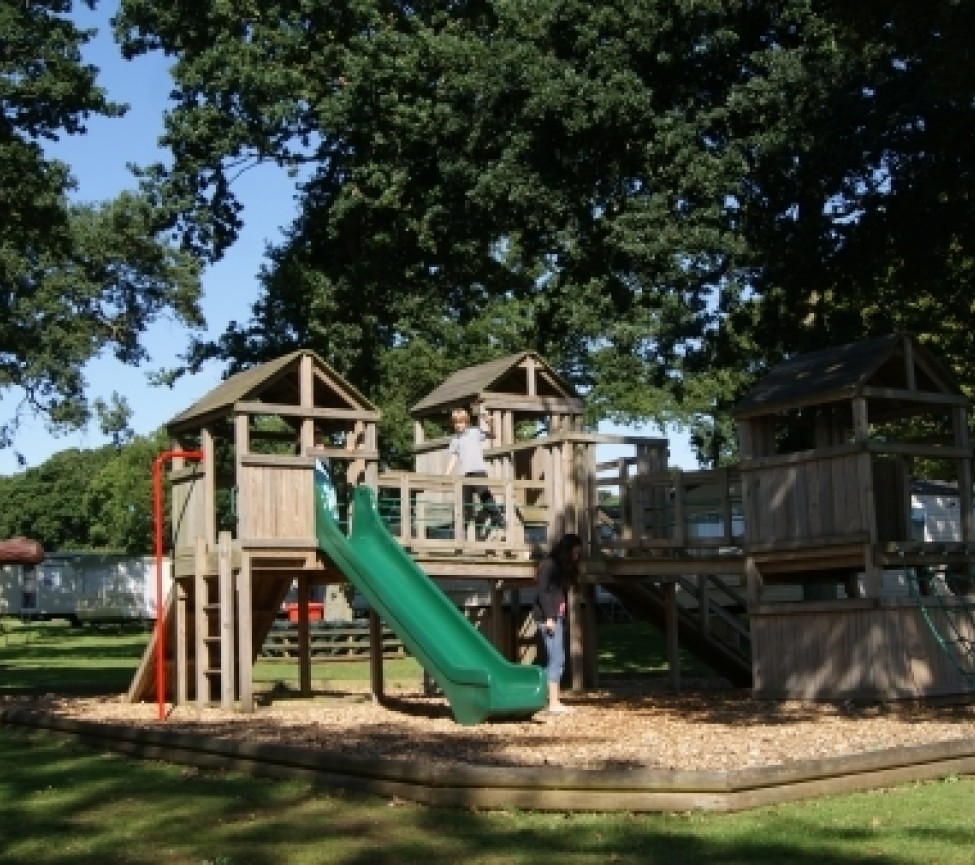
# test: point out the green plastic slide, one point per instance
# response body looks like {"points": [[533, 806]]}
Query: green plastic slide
{"points": [[477, 681]]}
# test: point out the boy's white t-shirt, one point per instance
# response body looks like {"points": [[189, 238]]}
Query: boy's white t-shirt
{"points": [[468, 450]]}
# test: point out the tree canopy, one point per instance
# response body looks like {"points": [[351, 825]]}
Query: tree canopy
{"points": [[661, 198], [99, 499], [76, 279]]}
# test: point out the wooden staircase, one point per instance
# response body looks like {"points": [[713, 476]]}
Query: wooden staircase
{"points": [[711, 627]]}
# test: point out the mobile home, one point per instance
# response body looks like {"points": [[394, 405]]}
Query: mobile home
{"points": [[83, 587]]}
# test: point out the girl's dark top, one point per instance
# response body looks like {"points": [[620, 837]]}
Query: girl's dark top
{"points": [[551, 586]]}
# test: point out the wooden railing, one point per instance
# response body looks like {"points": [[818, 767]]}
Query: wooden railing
{"points": [[720, 613], [668, 510], [427, 511]]}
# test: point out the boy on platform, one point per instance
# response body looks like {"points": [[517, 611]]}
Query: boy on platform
{"points": [[467, 448]]}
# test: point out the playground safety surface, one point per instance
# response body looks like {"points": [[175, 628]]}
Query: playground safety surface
{"points": [[636, 746]]}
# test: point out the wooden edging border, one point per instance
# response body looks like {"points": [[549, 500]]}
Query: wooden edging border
{"points": [[529, 788]]}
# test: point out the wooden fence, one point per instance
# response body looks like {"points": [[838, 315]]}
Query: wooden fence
{"points": [[345, 642]]}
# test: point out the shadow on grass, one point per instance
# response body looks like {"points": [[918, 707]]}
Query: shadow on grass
{"points": [[108, 809], [54, 657]]}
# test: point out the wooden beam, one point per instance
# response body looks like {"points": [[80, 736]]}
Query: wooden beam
{"points": [[268, 408], [927, 398], [533, 404]]}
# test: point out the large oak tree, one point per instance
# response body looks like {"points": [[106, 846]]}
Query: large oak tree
{"points": [[661, 197]]}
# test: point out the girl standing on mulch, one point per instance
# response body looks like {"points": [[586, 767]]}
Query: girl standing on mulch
{"points": [[555, 574]]}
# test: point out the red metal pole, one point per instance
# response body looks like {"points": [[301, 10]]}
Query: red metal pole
{"points": [[157, 514]]}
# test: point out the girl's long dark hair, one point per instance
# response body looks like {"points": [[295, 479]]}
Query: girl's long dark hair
{"points": [[568, 567]]}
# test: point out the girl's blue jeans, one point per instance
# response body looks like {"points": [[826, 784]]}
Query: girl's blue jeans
{"points": [[554, 645]]}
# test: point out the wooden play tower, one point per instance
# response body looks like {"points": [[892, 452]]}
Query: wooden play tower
{"points": [[830, 443], [243, 522]]}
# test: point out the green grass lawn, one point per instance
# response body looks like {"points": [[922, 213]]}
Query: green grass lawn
{"points": [[53, 656], [64, 804]]}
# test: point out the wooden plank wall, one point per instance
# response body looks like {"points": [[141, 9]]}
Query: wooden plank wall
{"points": [[188, 508], [853, 650], [804, 499], [276, 501]]}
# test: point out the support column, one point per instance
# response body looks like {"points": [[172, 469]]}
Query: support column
{"points": [[376, 656], [704, 604], [181, 649], [304, 638], [225, 576], [201, 651], [497, 616], [670, 624], [514, 625], [245, 632], [576, 652]]}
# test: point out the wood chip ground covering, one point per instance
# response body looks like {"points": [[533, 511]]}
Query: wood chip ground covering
{"points": [[705, 727]]}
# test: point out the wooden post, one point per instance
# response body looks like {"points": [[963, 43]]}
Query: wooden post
{"points": [[753, 578], [909, 373], [962, 440], [514, 624], [376, 656], [201, 651], [727, 513], [372, 445], [679, 514], [673, 642], [405, 532], [497, 614], [704, 603], [225, 576], [209, 484], [181, 650], [460, 519], [245, 632], [304, 639], [626, 501], [576, 653], [241, 449], [306, 387]]}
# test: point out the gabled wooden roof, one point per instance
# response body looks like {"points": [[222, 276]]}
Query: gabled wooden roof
{"points": [[896, 362], [474, 383], [276, 382]]}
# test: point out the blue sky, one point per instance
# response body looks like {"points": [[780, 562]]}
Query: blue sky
{"points": [[98, 162]]}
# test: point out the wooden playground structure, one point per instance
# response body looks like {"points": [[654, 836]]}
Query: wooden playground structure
{"points": [[819, 505]]}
